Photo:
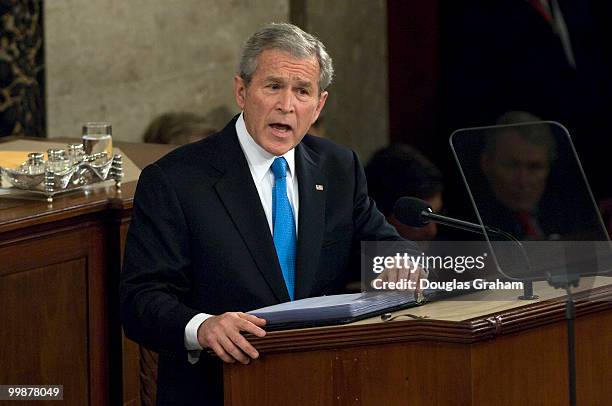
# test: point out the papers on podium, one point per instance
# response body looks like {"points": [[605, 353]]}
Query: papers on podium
{"points": [[334, 309]]}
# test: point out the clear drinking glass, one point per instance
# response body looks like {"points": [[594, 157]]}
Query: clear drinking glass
{"points": [[97, 138]]}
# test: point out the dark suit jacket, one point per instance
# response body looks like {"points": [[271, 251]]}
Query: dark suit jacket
{"points": [[199, 241]]}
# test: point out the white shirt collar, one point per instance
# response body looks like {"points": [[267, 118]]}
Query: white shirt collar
{"points": [[258, 158]]}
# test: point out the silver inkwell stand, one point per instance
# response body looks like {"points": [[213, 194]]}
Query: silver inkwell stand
{"points": [[76, 167]]}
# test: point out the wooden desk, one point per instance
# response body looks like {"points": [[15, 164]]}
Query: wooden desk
{"points": [[59, 270], [494, 352]]}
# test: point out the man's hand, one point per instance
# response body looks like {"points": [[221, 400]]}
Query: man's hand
{"points": [[413, 274], [401, 274], [222, 335]]}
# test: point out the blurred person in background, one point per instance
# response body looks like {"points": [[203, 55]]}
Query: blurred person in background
{"points": [[548, 57], [399, 170], [180, 128], [177, 128], [516, 162]]}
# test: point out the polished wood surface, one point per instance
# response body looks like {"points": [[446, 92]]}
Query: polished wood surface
{"points": [[48, 331], [514, 356], [62, 266], [59, 274], [476, 320]]}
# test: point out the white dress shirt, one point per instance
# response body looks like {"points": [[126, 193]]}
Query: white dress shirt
{"points": [[259, 161]]}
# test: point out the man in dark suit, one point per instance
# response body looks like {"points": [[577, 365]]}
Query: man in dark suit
{"points": [[207, 240]]}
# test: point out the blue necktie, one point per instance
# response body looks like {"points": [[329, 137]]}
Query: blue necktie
{"points": [[283, 223]]}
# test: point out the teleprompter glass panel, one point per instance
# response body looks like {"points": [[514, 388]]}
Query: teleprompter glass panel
{"points": [[532, 198]]}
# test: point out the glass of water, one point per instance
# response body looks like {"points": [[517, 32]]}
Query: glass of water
{"points": [[97, 138]]}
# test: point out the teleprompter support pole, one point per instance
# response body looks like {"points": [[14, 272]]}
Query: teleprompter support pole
{"points": [[570, 316]]}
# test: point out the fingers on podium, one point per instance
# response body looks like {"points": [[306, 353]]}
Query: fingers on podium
{"points": [[223, 335]]}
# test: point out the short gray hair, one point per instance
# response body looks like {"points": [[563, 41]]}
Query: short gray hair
{"points": [[528, 126], [288, 38]]}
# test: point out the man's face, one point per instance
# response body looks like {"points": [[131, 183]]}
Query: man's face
{"points": [[282, 100], [517, 171]]}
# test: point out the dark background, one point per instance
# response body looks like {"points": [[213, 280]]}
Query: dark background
{"points": [[462, 63]]}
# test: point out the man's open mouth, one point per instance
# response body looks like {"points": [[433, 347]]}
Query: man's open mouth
{"points": [[281, 127]]}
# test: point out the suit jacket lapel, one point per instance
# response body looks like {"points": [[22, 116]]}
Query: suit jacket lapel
{"points": [[240, 198], [311, 185]]}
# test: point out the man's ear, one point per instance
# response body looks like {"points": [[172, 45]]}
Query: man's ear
{"points": [[320, 104], [240, 91]]}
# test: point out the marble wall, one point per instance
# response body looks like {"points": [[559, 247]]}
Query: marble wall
{"points": [[127, 61], [355, 34]]}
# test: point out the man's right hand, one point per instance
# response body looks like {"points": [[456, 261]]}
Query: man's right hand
{"points": [[222, 334]]}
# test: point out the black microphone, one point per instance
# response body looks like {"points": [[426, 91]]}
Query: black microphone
{"points": [[417, 213]]}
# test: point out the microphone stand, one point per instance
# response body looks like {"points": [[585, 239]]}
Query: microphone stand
{"points": [[566, 281], [477, 229]]}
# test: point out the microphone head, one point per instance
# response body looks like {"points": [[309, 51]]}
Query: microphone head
{"points": [[409, 211]]}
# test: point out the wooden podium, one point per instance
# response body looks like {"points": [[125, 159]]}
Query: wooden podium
{"points": [[459, 352]]}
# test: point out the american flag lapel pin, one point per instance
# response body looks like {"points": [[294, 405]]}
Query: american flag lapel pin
{"points": [[319, 187]]}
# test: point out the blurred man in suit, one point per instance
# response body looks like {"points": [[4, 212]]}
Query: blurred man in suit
{"points": [[255, 215], [547, 57], [516, 162], [399, 170]]}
